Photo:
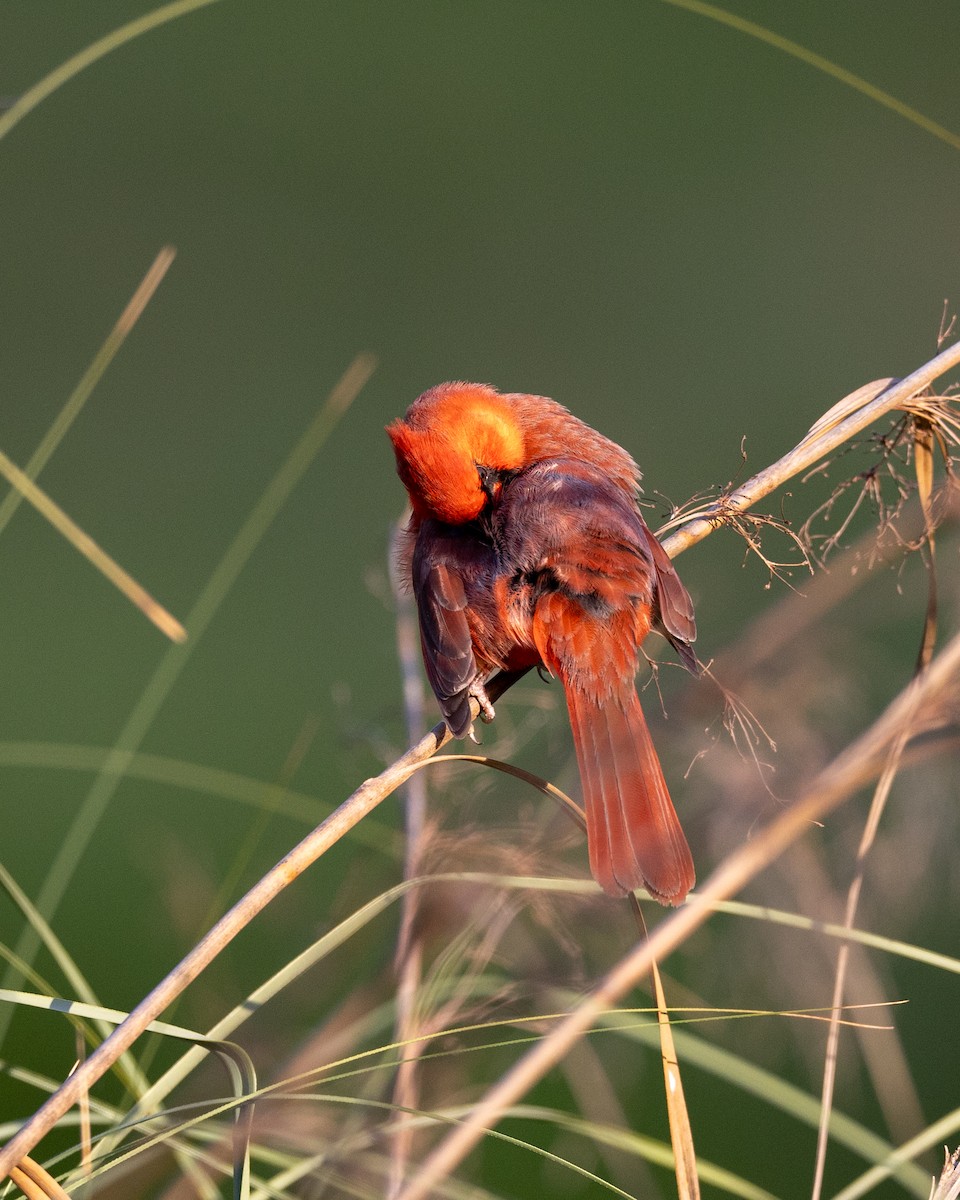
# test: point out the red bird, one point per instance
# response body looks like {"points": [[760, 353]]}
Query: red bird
{"points": [[526, 548]]}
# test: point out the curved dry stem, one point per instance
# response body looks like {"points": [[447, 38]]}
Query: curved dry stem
{"points": [[35, 1182], [93, 53], [819, 63]]}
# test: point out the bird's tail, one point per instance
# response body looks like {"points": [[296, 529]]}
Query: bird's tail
{"points": [[633, 833]]}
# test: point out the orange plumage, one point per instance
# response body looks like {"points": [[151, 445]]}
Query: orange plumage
{"points": [[526, 548]]}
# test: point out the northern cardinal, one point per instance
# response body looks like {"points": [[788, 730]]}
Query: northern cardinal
{"points": [[526, 548]]}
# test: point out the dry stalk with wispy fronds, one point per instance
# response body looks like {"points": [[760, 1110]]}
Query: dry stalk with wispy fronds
{"points": [[855, 766]]}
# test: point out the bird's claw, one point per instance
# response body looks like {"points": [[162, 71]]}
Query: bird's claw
{"points": [[479, 693]]}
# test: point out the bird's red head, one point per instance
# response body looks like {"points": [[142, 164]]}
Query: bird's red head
{"points": [[448, 435]]}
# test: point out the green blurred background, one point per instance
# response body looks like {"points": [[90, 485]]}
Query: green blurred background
{"points": [[685, 235]]}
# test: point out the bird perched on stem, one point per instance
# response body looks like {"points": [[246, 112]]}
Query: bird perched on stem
{"points": [[526, 548]]}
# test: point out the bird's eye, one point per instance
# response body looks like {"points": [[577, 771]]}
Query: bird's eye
{"points": [[490, 482]]}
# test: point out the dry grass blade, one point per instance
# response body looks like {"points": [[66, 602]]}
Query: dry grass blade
{"points": [[542, 785], [846, 407], [22, 481], [867, 839], [678, 1115], [121, 579], [681, 1133], [923, 465], [81, 393], [86, 1129]]}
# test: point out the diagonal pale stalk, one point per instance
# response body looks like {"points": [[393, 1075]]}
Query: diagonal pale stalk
{"points": [[854, 767], [23, 482], [121, 579], [939, 1132], [681, 1133], [678, 1116], [833, 786], [91, 377]]}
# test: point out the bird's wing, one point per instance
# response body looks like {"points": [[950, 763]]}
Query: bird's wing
{"points": [[445, 638], [674, 606]]}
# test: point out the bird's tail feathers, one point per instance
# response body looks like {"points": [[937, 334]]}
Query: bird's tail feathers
{"points": [[633, 833]]}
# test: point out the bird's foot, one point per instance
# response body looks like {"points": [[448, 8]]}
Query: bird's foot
{"points": [[479, 693]]}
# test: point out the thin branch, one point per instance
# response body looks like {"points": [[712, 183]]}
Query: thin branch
{"points": [[847, 419]]}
